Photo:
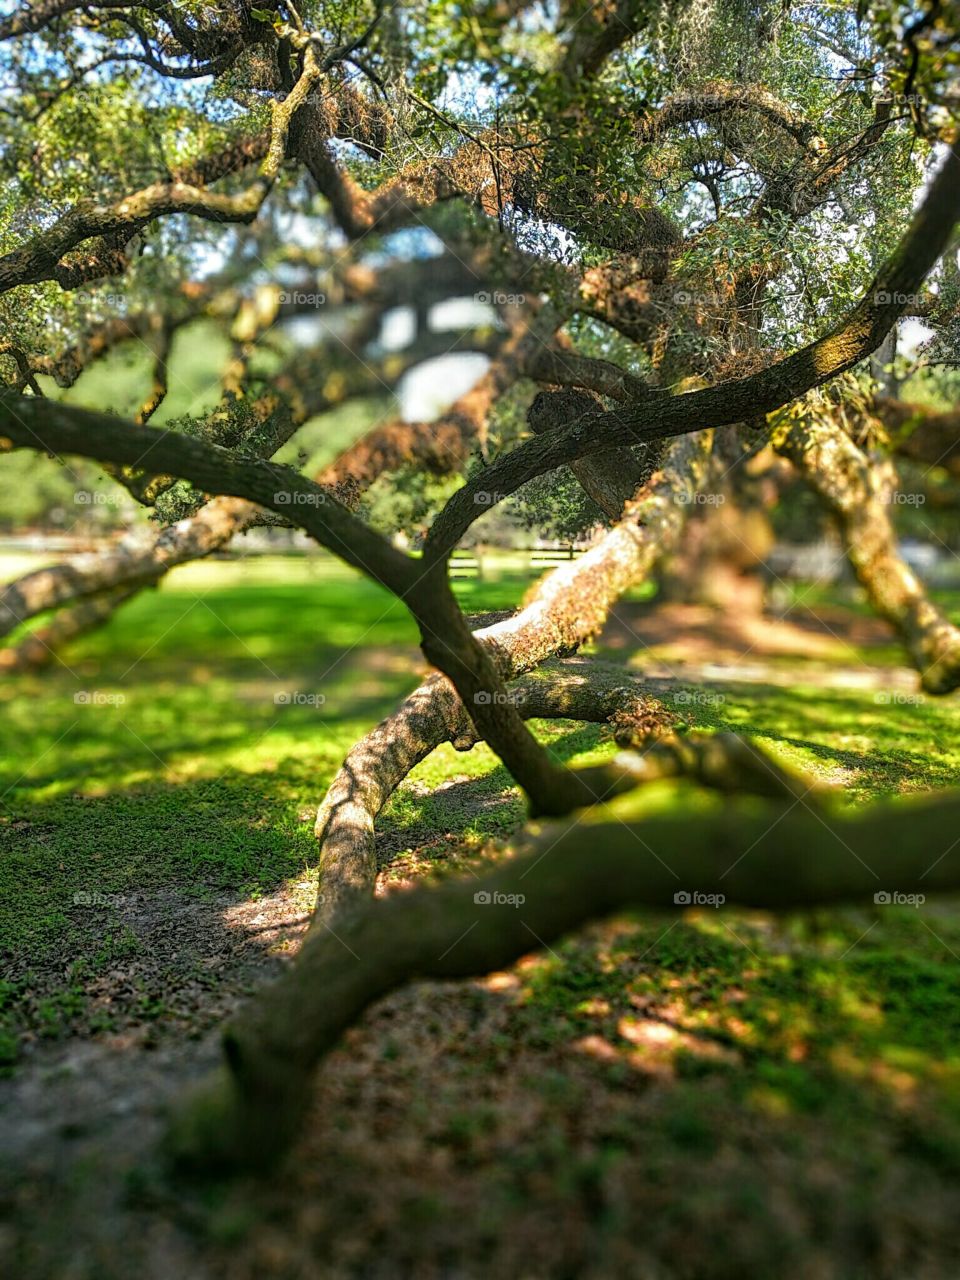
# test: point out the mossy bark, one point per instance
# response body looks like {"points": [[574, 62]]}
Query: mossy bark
{"points": [[858, 491], [779, 856], [563, 611]]}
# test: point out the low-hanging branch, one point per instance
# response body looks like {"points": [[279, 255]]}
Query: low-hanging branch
{"points": [[142, 558], [30, 423], [40, 648], [446, 639], [562, 611], [777, 855]]}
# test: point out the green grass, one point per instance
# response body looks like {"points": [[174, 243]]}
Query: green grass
{"points": [[181, 770], [200, 782]]}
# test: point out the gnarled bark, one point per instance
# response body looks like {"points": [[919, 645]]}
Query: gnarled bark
{"points": [[857, 491], [562, 612], [779, 855]]}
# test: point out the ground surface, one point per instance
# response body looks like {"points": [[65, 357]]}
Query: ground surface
{"points": [[711, 1095]]}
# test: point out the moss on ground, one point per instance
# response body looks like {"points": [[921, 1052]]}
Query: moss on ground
{"points": [[639, 1067]]}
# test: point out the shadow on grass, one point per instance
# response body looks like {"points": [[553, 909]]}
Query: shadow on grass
{"points": [[883, 746]]}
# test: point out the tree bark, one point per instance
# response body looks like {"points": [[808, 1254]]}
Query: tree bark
{"points": [[780, 856], [858, 492], [562, 612]]}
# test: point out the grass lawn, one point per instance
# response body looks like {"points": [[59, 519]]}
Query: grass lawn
{"points": [[609, 1107]]}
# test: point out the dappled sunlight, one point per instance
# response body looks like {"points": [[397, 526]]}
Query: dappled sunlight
{"points": [[733, 991], [481, 508], [621, 1059]]}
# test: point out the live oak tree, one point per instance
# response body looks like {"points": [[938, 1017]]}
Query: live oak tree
{"points": [[687, 228]]}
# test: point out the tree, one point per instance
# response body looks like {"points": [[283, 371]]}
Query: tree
{"points": [[690, 226]]}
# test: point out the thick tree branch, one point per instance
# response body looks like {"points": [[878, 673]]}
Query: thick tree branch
{"points": [[563, 611], [142, 559], [660, 415], [778, 855], [445, 637]]}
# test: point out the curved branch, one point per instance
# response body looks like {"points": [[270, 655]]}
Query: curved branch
{"points": [[37, 16], [41, 258], [446, 639], [140, 560], [563, 611], [660, 415], [564, 368], [718, 98], [777, 855], [39, 648], [597, 30], [857, 491], [59, 428]]}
